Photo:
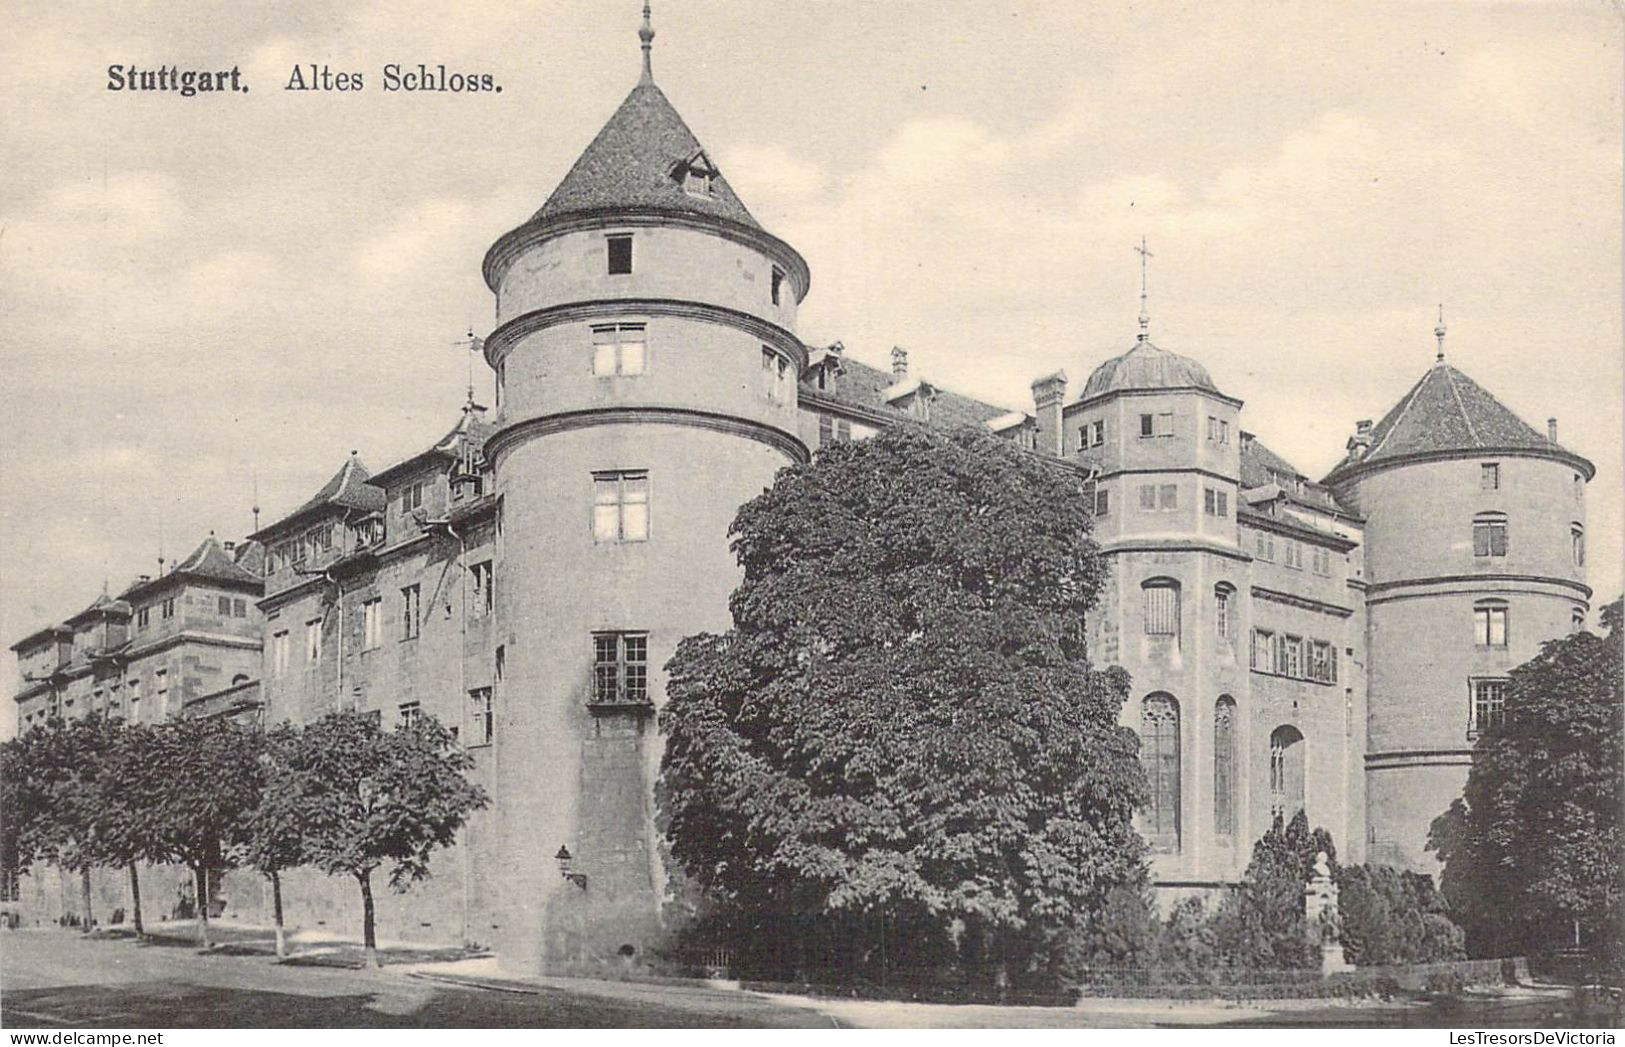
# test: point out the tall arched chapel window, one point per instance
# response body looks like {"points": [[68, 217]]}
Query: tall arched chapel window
{"points": [[1286, 772], [1159, 753], [1224, 766]]}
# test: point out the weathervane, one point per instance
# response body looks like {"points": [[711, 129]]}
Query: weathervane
{"points": [[1438, 332], [646, 34], [1145, 316]]}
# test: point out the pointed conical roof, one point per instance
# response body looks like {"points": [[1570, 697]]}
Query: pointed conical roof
{"points": [[640, 161], [1448, 412]]}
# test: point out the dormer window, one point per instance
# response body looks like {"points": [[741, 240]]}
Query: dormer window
{"points": [[697, 175]]}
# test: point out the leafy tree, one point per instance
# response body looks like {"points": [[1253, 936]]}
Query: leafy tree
{"points": [[1394, 916], [57, 779], [1531, 851], [207, 786], [273, 840], [364, 797], [902, 728], [124, 820], [1261, 923]]}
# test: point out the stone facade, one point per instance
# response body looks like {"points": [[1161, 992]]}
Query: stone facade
{"points": [[1293, 644]]}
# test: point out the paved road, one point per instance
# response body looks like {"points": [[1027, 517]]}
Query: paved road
{"points": [[51, 978]]}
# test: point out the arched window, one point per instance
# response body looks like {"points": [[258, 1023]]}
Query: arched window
{"points": [[1224, 766], [1224, 610], [1159, 753], [1577, 539], [1161, 607], [1490, 534], [1286, 772]]}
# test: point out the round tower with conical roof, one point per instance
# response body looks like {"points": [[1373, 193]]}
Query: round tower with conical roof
{"points": [[646, 364], [1475, 555]]}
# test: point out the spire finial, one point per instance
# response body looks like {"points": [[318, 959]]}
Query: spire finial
{"points": [[1438, 332], [646, 33], [1145, 316]]}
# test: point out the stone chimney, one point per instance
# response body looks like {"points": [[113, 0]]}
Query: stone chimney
{"points": [[1360, 442], [899, 363], [1048, 392], [1551, 429], [230, 547]]}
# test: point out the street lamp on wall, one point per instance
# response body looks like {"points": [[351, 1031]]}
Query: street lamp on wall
{"points": [[566, 861]]}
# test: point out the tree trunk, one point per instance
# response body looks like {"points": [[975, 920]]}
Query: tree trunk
{"points": [[135, 900], [84, 894], [276, 910], [201, 873], [369, 938]]}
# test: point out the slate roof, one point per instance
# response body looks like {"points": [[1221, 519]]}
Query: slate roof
{"points": [[1445, 411], [210, 560], [103, 604], [251, 557], [470, 433], [348, 489], [864, 387], [630, 165], [1147, 366], [1261, 467]]}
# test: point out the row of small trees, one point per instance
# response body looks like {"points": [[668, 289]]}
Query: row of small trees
{"points": [[339, 794]]}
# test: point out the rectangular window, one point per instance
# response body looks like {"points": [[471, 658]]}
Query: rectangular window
{"points": [[1215, 503], [1489, 703], [223, 603], [410, 712], [135, 701], [169, 607], [482, 718], [619, 349], [163, 694], [372, 633], [1292, 554], [1489, 476], [411, 619], [1148, 497], [142, 617], [1147, 426], [1218, 430], [1168, 497], [1293, 648], [1577, 540], [1263, 651], [1159, 424], [239, 608], [620, 507], [483, 599], [1265, 547], [313, 640], [777, 284], [279, 653], [620, 255], [620, 668], [1222, 624], [412, 497], [1489, 537], [1099, 429], [1490, 626], [1103, 503], [775, 376], [1161, 610], [833, 430], [1322, 662], [1322, 560]]}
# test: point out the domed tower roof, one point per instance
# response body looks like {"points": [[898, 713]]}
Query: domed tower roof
{"points": [[1147, 367], [1448, 413]]}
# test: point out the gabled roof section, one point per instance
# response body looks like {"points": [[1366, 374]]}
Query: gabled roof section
{"points": [[250, 556], [1444, 412], [639, 161], [211, 561], [465, 442], [870, 390], [1261, 467], [348, 489], [102, 605]]}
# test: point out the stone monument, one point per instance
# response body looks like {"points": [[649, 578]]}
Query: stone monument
{"points": [[1325, 922]]}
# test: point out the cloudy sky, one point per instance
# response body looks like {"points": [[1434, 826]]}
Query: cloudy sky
{"points": [[198, 295]]}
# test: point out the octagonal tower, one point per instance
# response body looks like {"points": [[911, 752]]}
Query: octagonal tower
{"points": [[646, 367], [1475, 555]]}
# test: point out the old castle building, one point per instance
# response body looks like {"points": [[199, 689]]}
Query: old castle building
{"points": [[1327, 646]]}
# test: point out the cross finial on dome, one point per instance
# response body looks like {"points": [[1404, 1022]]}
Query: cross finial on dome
{"points": [[1438, 332], [1145, 316], [646, 33]]}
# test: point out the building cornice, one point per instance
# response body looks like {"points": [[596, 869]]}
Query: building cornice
{"points": [[1348, 473], [510, 436], [1473, 584], [1294, 529], [1396, 759], [515, 242], [777, 338], [1304, 603], [1173, 470], [1101, 398], [1113, 546]]}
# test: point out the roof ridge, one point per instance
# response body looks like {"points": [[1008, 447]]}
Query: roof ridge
{"points": [[1455, 392]]}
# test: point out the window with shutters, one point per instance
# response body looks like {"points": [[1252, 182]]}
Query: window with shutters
{"points": [[1159, 754], [1161, 607], [1263, 651], [1490, 534], [1224, 766]]}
